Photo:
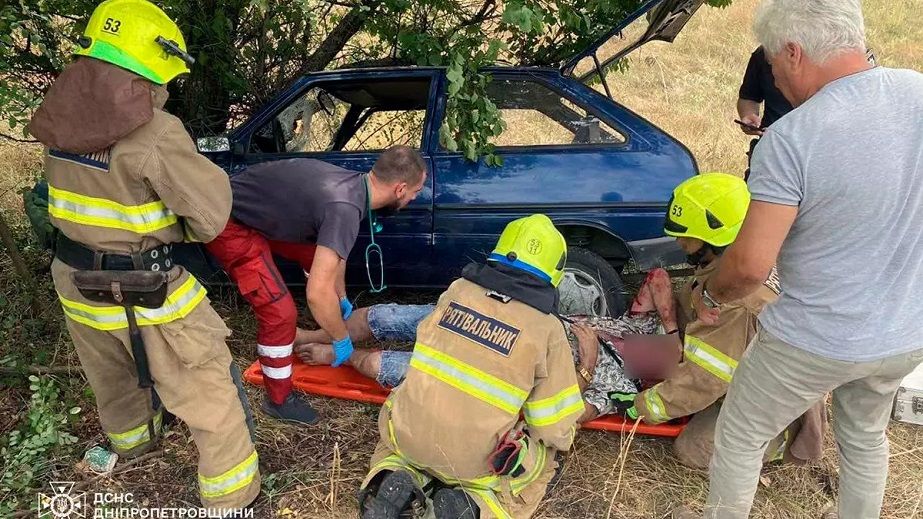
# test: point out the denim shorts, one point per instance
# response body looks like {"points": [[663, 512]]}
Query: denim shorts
{"points": [[397, 322], [394, 366]]}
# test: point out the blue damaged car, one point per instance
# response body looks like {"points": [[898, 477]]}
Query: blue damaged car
{"points": [[601, 172]]}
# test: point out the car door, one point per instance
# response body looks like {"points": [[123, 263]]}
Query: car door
{"points": [[347, 118], [567, 152]]}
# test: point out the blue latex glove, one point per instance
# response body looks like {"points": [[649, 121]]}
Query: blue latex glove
{"points": [[346, 308], [342, 350]]}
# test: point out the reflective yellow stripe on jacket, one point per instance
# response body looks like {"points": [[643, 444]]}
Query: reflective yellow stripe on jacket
{"points": [[655, 405], [108, 318], [125, 441], [708, 358], [99, 212], [231, 481], [468, 379], [551, 410]]}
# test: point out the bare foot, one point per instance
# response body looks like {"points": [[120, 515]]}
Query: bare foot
{"points": [[315, 354]]}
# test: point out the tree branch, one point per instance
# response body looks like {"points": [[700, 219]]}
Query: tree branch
{"points": [[337, 38], [14, 139]]}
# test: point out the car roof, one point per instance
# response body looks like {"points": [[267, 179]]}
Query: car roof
{"points": [[415, 68]]}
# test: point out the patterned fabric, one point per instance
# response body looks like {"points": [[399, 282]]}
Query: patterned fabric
{"points": [[609, 375]]}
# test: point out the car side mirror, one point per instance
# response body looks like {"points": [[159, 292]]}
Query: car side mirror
{"points": [[213, 144]]}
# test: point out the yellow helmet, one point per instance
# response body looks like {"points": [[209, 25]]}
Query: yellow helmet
{"points": [[138, 36], [710, 207], [533, 244]]}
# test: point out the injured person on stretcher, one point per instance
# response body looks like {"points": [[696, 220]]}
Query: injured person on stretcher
{"points": [[620, 356]]}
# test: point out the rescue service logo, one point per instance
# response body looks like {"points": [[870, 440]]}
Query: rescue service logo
{"points": [[479, 328], [61, 503]]}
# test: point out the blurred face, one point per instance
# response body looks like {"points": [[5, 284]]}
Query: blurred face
{"points": [[790, 69]]}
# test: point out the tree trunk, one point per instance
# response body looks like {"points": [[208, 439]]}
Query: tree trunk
{"points": [[19, 265]]}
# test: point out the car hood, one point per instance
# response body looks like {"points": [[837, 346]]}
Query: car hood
{"points": [[659, 20]]}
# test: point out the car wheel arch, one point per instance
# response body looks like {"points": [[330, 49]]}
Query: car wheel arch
{"points": [[598, 239]]}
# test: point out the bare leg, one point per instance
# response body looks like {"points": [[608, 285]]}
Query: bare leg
{"points": [[357, 324], [656, 293], [367, 362]]}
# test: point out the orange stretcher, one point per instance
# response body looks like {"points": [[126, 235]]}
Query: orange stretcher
{"points": [[346, 383]]}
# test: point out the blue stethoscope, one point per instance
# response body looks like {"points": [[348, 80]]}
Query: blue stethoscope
{"points": [[373, 248]]}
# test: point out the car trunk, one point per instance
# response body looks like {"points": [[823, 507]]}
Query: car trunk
{"points": [[655, 20]]}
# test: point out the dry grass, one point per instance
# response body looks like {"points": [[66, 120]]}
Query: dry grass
{"points": [[688, 88]]}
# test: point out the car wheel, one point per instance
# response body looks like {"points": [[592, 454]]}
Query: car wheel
{"points": [[590, 286]]}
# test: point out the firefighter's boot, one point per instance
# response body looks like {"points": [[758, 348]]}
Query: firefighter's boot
{"points": [[454, 503], [293, 409], [393, 497]]}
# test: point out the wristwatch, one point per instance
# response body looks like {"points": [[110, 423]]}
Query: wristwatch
{"points": [[585, 374], [708, 299]]}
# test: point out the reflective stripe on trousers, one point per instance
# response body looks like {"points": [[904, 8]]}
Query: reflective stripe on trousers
{"points": [[232, 480], [179, 304], [128, 440]]}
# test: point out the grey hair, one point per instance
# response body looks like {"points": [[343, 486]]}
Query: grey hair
{"points": [[822, 28]]}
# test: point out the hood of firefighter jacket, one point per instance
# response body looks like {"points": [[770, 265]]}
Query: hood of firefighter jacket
{"points": [[93, 104], [515, 283]]}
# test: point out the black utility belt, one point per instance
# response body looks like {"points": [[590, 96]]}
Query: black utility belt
{"points": [[81, 257]]}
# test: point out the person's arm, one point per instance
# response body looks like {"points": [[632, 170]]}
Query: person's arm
{"points": [[710, 355], [337, 233], [341, 280], [189, 184], [746, 265], [322, 295], [588, 348], [750, 95], [776, 188], [555, 403]]}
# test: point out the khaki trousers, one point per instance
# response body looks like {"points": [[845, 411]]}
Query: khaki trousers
{"points": [[781, 382], [191, 368]]}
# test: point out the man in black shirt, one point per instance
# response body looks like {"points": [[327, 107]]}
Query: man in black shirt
{"points": [[306, 211], [759, 87]]}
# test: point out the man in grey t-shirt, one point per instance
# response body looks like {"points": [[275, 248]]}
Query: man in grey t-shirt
{"points": [[837, 190]]}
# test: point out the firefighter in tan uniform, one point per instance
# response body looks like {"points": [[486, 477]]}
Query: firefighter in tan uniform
{"points": [[705, 215], [125, 182], [492, 349]]}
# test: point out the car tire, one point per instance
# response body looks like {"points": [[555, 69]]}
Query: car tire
{"points": [[591, 286]]}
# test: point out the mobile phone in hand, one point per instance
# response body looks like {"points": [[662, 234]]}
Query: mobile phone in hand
{"points": [[750, 127]]}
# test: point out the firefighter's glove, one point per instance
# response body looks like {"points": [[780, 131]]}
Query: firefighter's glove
{"points": [[624, 404], [506, 459], [342, 350], [346, 308]]}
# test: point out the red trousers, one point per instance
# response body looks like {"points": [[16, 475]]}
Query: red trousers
{"points": [[246, 255]]}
